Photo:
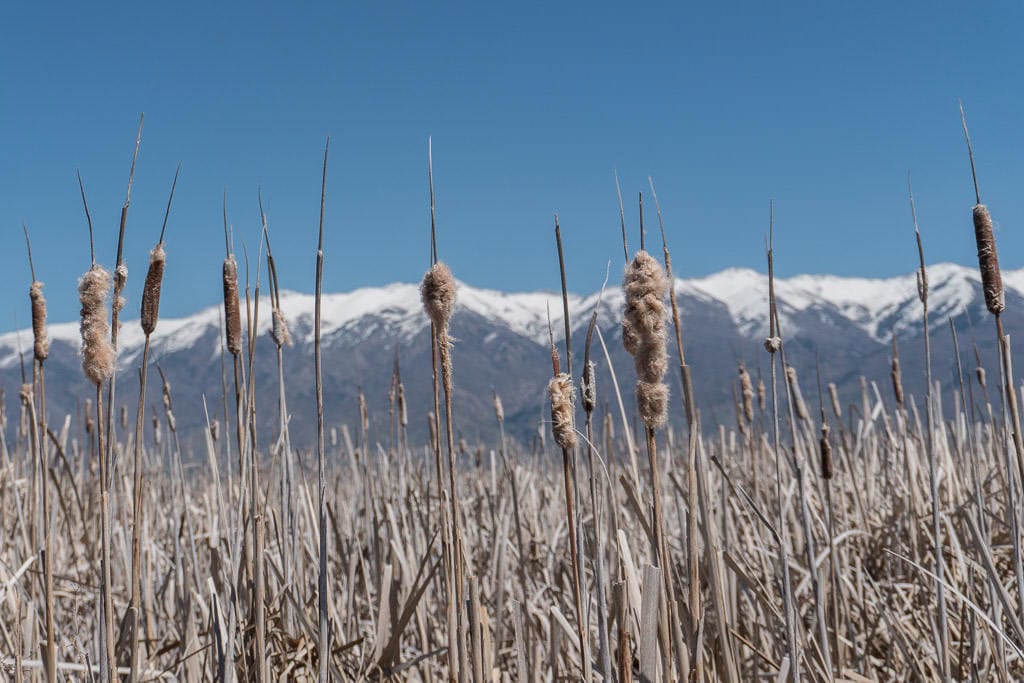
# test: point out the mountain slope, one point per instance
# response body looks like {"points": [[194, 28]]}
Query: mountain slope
{"points": [[502, 345]]}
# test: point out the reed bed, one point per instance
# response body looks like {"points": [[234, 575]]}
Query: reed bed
{"points": [[878, 540]]}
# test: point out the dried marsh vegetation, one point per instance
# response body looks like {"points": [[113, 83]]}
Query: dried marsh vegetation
{"points": [[809, 539]]}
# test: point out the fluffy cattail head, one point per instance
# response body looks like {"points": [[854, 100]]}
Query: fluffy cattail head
{"points": [[643, 334], [588, 389], [981, 377], [151, 290], [97, 352], [120, 280], [652, 402], [232, 316], [499, 409], [41, 343], [560, 392], [438, 294], [279, 329], [988, 260], [747, 391]]}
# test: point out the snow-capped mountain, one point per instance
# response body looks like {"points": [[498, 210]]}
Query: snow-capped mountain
{"points": [[503, 337]]}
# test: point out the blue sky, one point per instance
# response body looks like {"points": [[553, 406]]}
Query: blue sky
{"points": [[823, 107]]}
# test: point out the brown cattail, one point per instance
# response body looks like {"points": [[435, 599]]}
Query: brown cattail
{"points": [[215, 430], [988, 260], [41, 345], [120, 280], [403, 415], [124, 417], [151, 290], [798, 397], [833, 394], [232, 316], [97, 352], [279, 329], [747, 391], [827, 470], [364, 415], [897, 376], [499, 409], [762, 395], [643, 334], [560, 391], [652, 401], [981, 377], [438, 294], [588, 390], [157, 438]]}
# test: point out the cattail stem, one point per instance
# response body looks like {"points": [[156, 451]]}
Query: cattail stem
{"points": [[323, 633]]}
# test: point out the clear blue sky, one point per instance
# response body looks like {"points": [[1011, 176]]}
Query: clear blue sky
{"points": [[821, 106]]}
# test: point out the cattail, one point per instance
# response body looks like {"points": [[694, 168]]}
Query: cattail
{"points": [[279, 329], [499, 409], [833, 394], [643, 334], [897, 376], [334, 437], [798, 398], [232, 316], [560, 391], [172, 424], [124, 417], [215, 429], [41, 345], [827, 470], [762, 395], [438, 294], [652, 402], [403, 415], [588, 389], [364, 415], [120, 280], [97, 352], [151, 290], [988, 260], [748, 394], [89, 424], [981, 377]]}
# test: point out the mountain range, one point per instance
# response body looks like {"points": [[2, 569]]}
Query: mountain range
{"points": [[844, 326]]}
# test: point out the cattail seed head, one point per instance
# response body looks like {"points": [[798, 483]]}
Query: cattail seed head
{"points": [[499, 409], [772, 344], [834, 395], [41, 344], [643, 334], [120, 280], [97, 352], [124, 417], [798, 398], [827, 470], [403, 415], [232, 316], [922, 285], [762, 395], [747, 391], [279, 329], [438, 294], [988, 260], [151, 290], [560, 391], [652, 402], [980, 371], [588, 389], [215, 429], [157, 437], [897, 381]]}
